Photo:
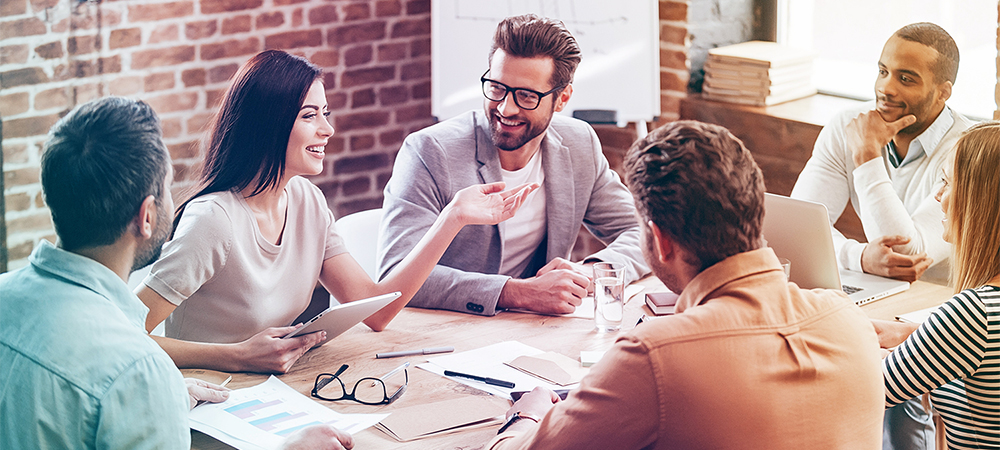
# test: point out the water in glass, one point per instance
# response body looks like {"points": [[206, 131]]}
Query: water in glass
{"points": [[608, 293]]}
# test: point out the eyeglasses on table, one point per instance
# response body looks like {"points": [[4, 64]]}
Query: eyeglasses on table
{"points": [[368, 390]]}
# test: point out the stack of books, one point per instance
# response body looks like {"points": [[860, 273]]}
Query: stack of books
{"points": [[758, 73]]}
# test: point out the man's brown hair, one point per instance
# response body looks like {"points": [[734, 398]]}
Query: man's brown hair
{"points": [[530, 36], [700, 186], [945, 66]]}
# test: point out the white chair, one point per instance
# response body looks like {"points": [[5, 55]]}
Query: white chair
{"points": [[360, 233], [134, 280]]}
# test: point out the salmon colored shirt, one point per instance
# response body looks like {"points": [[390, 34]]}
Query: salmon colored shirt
{"points": [[749, 361]]}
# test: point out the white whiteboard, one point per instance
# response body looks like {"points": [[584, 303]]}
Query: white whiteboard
{"points": [[619, 40]]}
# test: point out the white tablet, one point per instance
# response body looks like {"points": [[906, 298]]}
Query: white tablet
{"points": [[340, 318]]}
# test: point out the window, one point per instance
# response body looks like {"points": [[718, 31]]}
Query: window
{"points": [[848, 36]]}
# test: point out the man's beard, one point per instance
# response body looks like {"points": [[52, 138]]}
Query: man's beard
{"points": [[919, 110], [151, 251], [667, 277], [510, 141]]}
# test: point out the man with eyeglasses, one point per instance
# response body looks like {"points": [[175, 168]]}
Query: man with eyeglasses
{"points": [[517, 139]]}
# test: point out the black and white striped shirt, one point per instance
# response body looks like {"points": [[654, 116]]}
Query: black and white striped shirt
{"points": [[955, 355]]}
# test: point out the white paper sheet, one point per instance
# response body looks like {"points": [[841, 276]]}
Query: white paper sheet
{"points": [[263, 416], [919, 316], [489, 362]]}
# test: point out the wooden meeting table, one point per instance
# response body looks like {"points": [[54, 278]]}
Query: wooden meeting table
{"points": [[416, 328]]}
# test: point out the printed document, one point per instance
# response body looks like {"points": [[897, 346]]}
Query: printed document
{"points": [[263, 416]]}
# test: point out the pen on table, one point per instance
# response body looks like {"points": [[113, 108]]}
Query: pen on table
{"points": [[487, 380], [425, 351]]}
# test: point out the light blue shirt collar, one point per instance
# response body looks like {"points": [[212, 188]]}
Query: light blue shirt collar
{"points": [[91, 275], [927, 142]]}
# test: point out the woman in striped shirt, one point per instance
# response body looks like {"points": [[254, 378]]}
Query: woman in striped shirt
{"points": [[955, 354]]}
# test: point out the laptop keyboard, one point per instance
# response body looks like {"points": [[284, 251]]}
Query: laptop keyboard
{"points": [[850, 289]]}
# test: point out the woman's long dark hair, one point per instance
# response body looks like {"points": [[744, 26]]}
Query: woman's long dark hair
{"points": [[249, 135]]}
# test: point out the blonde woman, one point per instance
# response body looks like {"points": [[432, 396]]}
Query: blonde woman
{"points": [[955, 354]]}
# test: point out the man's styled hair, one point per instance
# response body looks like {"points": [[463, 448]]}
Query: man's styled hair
{"points": [[700, 186], [975, 204], [945, 67], [530, 36], [100, 162]]}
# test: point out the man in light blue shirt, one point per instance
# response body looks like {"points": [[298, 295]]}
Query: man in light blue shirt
{"points": [[77, 369]]}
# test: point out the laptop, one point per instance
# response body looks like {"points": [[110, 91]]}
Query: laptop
{"points": [[799, 230], [341, 317]]}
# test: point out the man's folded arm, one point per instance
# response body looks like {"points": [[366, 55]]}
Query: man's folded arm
{"points": [[883, 213], [824, 180]]}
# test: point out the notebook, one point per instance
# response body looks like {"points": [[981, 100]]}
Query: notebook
{"points": [[340, 318], [661, 303], [799, 230]]}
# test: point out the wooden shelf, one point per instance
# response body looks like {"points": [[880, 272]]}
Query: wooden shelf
{"points": [[781, 138]]}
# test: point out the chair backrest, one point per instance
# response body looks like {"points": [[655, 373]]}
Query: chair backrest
{"points": [[134, 280], [360, 233]]}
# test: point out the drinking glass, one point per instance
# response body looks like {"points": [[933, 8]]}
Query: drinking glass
{"points": [[609, 290], [786, 265]]}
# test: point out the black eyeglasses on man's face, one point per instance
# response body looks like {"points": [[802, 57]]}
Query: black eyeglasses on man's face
{"points": [[526, 99], [368, 390]]}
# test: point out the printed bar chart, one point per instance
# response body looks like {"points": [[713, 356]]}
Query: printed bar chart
{"points": [[264, 415]]}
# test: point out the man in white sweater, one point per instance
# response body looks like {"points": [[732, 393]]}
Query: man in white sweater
{"points": [[886, 158]]}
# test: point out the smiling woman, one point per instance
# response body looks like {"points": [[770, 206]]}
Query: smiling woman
{"points": [[250, 245], [954, 354], [307, 141]]}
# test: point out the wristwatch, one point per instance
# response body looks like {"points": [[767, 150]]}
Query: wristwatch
{"points": [[514, 418]]}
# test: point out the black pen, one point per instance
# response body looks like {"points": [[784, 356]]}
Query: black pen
{"points": [[487, 380]]}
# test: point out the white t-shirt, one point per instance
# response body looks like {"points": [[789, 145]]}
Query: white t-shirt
{"points": [[227, 281], [523, 233]]}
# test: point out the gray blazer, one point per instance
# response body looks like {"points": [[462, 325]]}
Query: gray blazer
{"points": [[436, 162]]}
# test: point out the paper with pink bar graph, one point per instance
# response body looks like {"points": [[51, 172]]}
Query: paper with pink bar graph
{"points": [[261, 417]]}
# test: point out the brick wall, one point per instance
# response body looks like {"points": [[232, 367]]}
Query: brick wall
{"points": [[179, 55], [674, 62]]}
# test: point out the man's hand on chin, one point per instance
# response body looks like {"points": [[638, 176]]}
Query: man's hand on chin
{"points": [[869, 132]]}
